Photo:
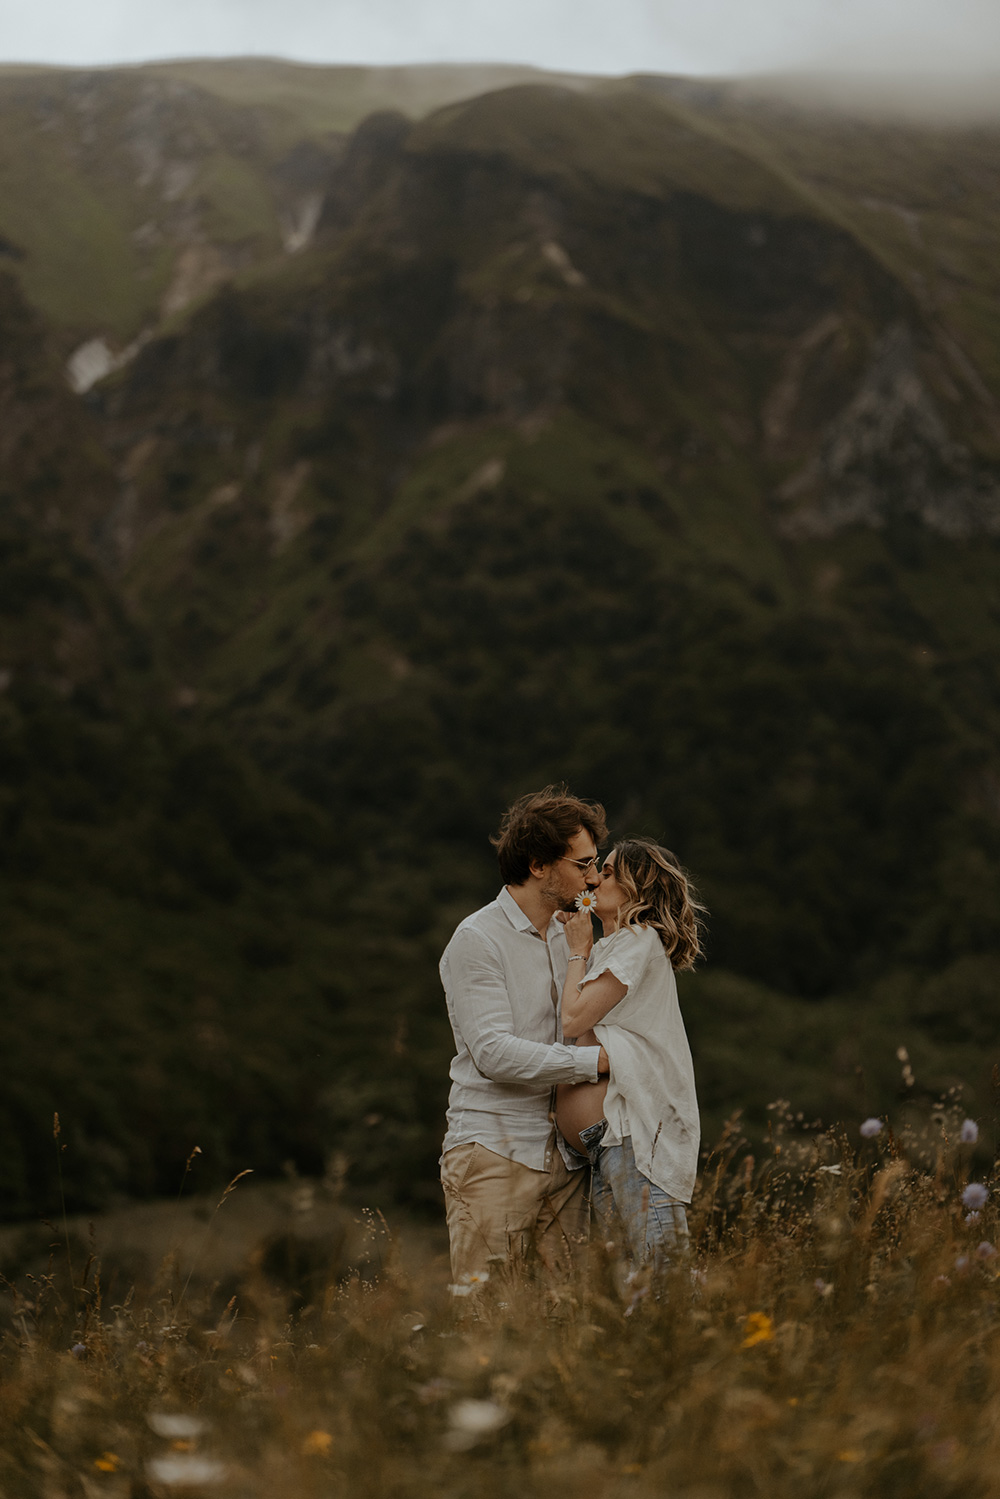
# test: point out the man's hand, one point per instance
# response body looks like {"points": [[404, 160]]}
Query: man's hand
{"points": [[603, 1065]]}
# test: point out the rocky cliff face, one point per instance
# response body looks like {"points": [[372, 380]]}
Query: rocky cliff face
{"points": [[889, 453]]}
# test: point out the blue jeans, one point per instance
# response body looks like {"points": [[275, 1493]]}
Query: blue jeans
{"points": [[652, 1224]]}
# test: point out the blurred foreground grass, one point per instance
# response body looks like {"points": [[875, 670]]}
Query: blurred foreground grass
{"points": [[834, 1333]]}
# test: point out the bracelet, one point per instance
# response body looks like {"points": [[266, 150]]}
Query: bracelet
{"points": [[581, 955]]}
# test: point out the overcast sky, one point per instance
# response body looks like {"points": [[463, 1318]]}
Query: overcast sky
{"points": [[597, 36]]}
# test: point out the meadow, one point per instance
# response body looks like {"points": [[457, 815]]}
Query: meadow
{"points": [[833, 1332]]}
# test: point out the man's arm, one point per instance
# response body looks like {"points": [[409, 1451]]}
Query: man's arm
{"points": [[482, 1017]]}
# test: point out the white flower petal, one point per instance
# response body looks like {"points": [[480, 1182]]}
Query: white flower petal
{"points": [[477, 1418], [184, 1470], [175, 1425]]}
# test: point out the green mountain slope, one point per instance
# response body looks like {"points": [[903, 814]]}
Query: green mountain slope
{"points": [[922, 196], [542, 389], [126, 194], [163, 903], [594, 435]]}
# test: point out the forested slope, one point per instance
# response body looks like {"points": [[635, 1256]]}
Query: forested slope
{"points": [[592, 437]]}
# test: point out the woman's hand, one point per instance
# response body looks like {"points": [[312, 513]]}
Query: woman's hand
{"points": [[579, 934]]}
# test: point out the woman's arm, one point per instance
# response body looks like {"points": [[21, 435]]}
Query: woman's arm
{"points": [[580, 1011], [579, 931]]}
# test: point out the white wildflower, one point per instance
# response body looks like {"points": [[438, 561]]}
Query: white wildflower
{"points": [[175, 1426], [468, 1282], [469, 1421], [185, 1470]]}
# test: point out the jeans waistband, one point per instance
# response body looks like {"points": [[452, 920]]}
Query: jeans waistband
{"points": [[591, 1138]]}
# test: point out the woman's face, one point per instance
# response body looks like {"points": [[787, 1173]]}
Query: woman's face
{"points": [[609, 897]]}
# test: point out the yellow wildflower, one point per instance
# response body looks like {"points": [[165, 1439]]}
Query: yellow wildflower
{"points": [[759, 1329], [107, 1463], [317, 1444]]}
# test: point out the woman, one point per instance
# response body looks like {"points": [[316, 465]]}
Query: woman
{"points": [[641, 1129]]}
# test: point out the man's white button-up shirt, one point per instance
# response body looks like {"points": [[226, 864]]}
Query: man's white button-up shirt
{"points": [[503, 982]]}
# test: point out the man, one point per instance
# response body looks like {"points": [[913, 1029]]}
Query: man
{"points": [[509, 1181]]}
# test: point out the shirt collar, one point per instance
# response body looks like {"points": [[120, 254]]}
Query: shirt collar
{"points": [[513, 912], [517, 918]]}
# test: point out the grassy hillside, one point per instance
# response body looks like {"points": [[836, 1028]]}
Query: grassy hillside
{"points": [[923, 196], [592, 436], [128, 193]]}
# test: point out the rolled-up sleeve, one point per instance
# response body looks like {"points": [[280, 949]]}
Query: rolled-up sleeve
{"points": [[482, 1017]]}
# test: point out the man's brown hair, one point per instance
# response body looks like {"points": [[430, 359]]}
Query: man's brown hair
{"points": [[540, 827]]}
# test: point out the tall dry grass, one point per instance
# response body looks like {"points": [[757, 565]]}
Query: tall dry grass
{"points": [[835, 1332]]}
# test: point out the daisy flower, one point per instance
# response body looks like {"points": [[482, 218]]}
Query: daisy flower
{"points": [[468, 1282], [585, 901]]}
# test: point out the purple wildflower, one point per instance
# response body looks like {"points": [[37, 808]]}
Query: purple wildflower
{"points": [[986, 1251], [975, 1196], [870, 1128], [79, 1350], [969, 1133]]}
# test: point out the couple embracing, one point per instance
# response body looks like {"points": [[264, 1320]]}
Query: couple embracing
{"points": [[570, 1056]]}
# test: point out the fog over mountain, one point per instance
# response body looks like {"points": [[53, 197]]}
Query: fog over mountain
{"points": [[594, 36]]}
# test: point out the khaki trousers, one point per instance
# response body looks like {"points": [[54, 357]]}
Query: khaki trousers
{"points": [[498, 1208]]}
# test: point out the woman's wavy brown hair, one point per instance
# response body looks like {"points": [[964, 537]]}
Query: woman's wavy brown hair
{"points": [[659, 894]]}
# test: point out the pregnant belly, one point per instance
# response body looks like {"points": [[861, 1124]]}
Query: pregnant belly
{"points": [[577, 1105]]}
